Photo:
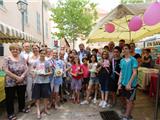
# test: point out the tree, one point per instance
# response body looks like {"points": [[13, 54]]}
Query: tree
{"points": [[132, 1], [74, 18]]}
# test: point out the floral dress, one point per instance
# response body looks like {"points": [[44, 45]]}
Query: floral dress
{"points": [[16, 67]]}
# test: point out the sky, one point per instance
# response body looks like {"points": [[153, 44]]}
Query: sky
{"points": [[103, 5], [106, 5]]}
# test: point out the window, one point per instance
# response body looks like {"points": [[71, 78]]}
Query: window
{"points": [[38, 22], [1, 50], [46, 30], [1, 2]]}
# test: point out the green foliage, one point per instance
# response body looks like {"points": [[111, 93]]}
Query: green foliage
{"points": [[131, 1], [74, 17]]}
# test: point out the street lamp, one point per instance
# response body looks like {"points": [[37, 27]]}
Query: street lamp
{"points": [[22, 7]]}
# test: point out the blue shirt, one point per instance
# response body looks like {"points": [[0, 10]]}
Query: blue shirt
{"points": [[127, 67], [58, 64]]}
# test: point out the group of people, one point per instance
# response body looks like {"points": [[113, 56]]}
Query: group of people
{"points": [[41, 73]]}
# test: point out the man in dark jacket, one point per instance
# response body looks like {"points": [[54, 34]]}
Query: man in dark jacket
{"points": [[83, 53]]}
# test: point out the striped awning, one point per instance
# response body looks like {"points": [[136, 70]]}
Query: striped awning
{"points": [[10, 34]]}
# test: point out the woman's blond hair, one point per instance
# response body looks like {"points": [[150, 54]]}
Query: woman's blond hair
{"points": [[14, 46]]}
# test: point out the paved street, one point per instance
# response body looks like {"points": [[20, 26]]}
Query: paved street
{"points": [[67, 111], [144, 110]]}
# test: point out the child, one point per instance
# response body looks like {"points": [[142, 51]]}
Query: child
{"points": [[93, 80], [103, 70], [68, 75], [76, 84], [41, 88], [57, 77], [85, 69]]}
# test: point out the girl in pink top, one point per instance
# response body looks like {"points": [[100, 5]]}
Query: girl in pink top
{"points": [[85, 82], [76, 83]]}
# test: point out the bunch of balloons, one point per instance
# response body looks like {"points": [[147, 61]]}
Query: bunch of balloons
{"points": [[151, 17]]}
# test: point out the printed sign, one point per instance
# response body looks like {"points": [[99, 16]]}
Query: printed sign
{"points": [[153, 43]]}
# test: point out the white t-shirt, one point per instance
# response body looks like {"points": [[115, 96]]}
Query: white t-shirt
{"points": [[92, 69], [25, 55]]}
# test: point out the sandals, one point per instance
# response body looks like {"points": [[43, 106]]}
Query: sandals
{"points": [[38, 116], [27, 110], [12, 117]]}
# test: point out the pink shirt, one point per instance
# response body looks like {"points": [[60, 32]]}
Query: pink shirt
{"points": [[75, 69], [85, 69]]}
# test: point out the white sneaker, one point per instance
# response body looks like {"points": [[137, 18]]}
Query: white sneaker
{"points": [[101, 103], [109, 105], [84, 102], [104, 104], [94, 100]]}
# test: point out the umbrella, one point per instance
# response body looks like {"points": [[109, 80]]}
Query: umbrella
{"points": [[120, 17]]}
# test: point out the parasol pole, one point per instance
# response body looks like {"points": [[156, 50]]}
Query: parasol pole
{"points": [[130, 36]]}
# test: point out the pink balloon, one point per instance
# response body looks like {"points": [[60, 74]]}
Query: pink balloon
{"points": [[152, 14], [109, 27], [135, 23]]}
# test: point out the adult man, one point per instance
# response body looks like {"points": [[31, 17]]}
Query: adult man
{"points": [[26, 51], [121, 43], [111, 48], [82, 53], [48, 54], [128, 80]]}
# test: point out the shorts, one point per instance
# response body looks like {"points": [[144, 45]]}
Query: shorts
{"points": [[85, 81], [56, 88], [104, 85], [41, 90], [76, 84], [129, 94], [113, 85], [94, 80]]}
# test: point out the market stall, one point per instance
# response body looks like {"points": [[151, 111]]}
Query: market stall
{"points": [[145, 75], [2, 82]]}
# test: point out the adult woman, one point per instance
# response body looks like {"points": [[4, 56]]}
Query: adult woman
{"points": [[30, 61], [74, 52], [146, 59], [16, 70]]}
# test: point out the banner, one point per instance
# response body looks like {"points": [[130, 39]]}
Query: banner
{"points": [[152, 43]]}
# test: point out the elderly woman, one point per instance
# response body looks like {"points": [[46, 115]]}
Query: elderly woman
{"points": [[16, 69]]}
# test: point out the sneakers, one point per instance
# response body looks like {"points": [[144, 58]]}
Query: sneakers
{"points": [[85, 102], [109, 105], [126, 118], [94, 100], [101, 103], [104, 104]]}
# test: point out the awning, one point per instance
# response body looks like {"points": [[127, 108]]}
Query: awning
{"points": [[10, 34], [120, 16]]}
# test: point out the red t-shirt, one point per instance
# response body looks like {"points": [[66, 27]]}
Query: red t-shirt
{"points": [[85, 69], [75, 69]]}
